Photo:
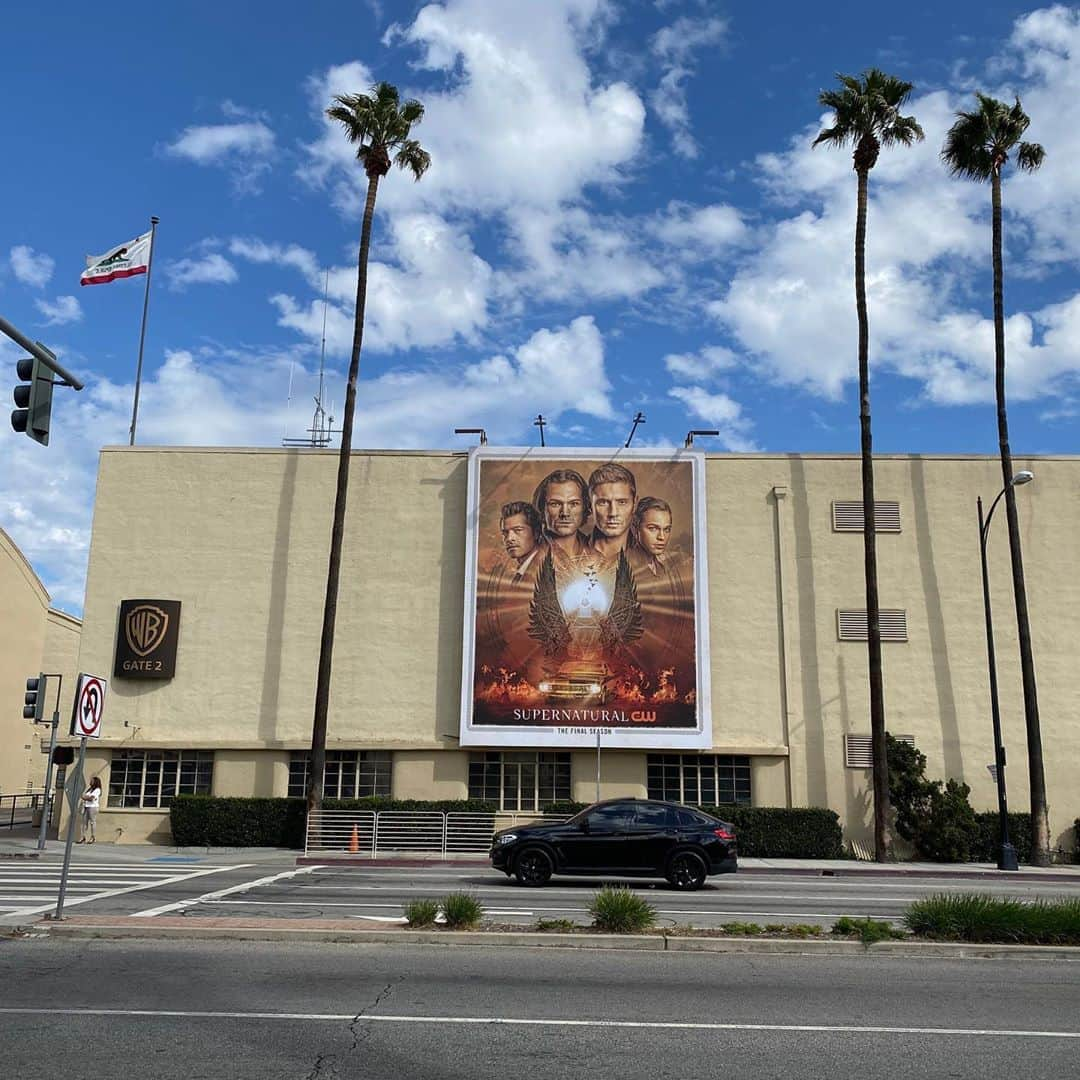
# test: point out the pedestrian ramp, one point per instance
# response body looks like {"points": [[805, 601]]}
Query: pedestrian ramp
{"points": [[31, 888]]}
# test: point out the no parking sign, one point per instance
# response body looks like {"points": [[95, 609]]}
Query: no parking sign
{"points": [[89, 707]]}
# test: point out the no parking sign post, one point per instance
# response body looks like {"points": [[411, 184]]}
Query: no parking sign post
{"points": [[85, 724]]}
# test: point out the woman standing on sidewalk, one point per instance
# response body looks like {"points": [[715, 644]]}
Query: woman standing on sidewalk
{"points": [[91, 800]]}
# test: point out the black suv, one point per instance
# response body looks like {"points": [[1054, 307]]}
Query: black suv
{"points": [[625, 837]]}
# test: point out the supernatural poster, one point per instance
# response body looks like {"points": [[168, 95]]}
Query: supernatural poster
{"points": [[585, 602]]}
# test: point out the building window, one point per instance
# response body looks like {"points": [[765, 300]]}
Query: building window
{"points": [[349, 774], [520, 781], [859, 750], [847, 516], [699, 779], [150, 778], [853, 625]]}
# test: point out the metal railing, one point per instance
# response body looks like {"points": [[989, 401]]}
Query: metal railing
{"points": [[20, 809], [369, 833]]}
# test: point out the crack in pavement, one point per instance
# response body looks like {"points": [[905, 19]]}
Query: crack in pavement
{"points": [[358, 1036]]}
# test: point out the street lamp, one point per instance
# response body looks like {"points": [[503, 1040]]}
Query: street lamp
{"points": [[1007, 856]]}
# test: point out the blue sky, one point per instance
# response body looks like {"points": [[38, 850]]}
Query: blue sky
{"points": [[623, 214]]}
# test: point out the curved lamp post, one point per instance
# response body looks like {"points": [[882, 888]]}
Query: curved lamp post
{"points": [[1007, 855]]}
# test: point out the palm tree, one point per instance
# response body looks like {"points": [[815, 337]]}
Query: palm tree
{"points": [[977, 147], [379, 125], [867, 116]]}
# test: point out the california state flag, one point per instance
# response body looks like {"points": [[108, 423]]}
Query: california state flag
{"points": [[126, 260]]}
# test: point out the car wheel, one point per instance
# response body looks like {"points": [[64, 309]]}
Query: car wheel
{"points": [[533, 866], [687, 871]]}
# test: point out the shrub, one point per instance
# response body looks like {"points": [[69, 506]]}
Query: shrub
{"points": [[742, 929], [778, 832], [383, 802], [936, 818], [621, 911], [421, 912], [867, 930], [977, 918], [988, 837], [205, 821], [564, 806], [462, 910], [555, 925]]}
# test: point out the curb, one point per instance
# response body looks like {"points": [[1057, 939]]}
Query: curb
{"points": [[190, 930]]}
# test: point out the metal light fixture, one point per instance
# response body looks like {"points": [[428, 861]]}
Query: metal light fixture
{"points": [[699, 431], [473, 431]]}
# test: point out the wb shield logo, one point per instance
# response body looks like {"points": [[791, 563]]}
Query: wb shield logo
{"points": [[145, 628]]}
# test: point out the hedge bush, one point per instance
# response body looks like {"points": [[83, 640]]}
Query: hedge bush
{"points": [[780, 832], [988, 838], [205, 821]]}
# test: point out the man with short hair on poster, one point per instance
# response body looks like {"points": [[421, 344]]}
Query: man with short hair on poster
{"points": [[523, 538], [650, 532], [613, 494]]}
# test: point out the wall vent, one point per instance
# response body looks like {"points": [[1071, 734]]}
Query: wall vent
{"points": [[858, 751], [847, 516], [851, 624]]}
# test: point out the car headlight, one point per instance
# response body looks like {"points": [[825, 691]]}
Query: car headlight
{"points": [[545, 687], [595, 688], [506, 838]]}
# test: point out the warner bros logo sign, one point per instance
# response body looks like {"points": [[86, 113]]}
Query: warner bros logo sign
{"points": [[146, 639]]}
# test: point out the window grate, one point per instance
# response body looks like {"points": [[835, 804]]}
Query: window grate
{"points": [[520, 780], [699, 779], [851, 624], [859, 750], [349, 774], [847, 516]]}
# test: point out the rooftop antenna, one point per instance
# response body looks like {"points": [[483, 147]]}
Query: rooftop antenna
{"points": [[540, 422], [639, 419], [322, 424]]}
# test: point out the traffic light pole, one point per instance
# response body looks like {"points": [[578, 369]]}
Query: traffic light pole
{"points": [[40, 354], [46, 812]]}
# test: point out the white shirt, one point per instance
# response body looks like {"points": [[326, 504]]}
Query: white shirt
{"points": [[91, 799]]}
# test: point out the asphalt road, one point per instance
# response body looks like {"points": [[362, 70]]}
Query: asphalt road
{"points": [[191, 1010], [276, 888], [379, 893]]}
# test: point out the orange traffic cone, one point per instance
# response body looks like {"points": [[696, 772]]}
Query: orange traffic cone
{"points": [[354, 842]]}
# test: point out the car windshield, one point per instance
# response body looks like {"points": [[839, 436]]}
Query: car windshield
{"points": [[581, 815]]}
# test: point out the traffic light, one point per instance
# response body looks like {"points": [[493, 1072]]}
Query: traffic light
{"points": [[33, 396], [34, 702]]}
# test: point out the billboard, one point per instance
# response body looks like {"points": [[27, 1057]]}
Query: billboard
{"points": [[586, 611]]}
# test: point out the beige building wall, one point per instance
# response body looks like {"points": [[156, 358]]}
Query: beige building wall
{"points": [[241, 538], [33, 638]]}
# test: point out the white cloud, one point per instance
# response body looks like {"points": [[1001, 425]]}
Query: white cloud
{"points": [[675, 46], [211, 268], [291, 255], [701, 366], [700, 231], [244, 147], [30, 267], [721, 412], [64, 309]]}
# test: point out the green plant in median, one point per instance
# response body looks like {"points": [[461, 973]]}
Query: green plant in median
{"points": [[462, 910], [555, 925], [421, 912], [977, 918], [742, 929], [621, 911], [867, 930]]}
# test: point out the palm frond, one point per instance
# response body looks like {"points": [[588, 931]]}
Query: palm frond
{"points": [[866, 112], [980, 142], [413, 157], [1030, 156], [380, 126]]}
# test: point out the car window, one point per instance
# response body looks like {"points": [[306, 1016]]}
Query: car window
{"points": [[613, 818], [688, 819], [651, 817]]}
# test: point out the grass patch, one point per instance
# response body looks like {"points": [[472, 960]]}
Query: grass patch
{"points": [[421, 912], [462, 910], [621, 911], [556, 926], [742, 929], [971, 917], [866, 930]]}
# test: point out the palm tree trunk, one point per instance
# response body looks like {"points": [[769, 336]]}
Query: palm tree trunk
{"points": [[337, 533], [1040, 818], [873, 617]]}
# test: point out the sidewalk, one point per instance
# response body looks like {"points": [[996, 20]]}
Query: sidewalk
{"points": [[22, 843]]}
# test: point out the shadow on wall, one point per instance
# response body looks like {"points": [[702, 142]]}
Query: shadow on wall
{"points": [[275, 617], [446, 713], [939, 648], [812, 718]]}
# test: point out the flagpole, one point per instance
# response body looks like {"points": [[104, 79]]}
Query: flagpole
{"points": [[142, 332]]}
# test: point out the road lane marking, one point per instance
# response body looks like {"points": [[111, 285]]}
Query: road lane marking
{"points": [[206, 897], [513, 1021], [107, 893]]}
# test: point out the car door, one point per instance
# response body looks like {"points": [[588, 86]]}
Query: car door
{"points": [[600, 843], [651, 836]]}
